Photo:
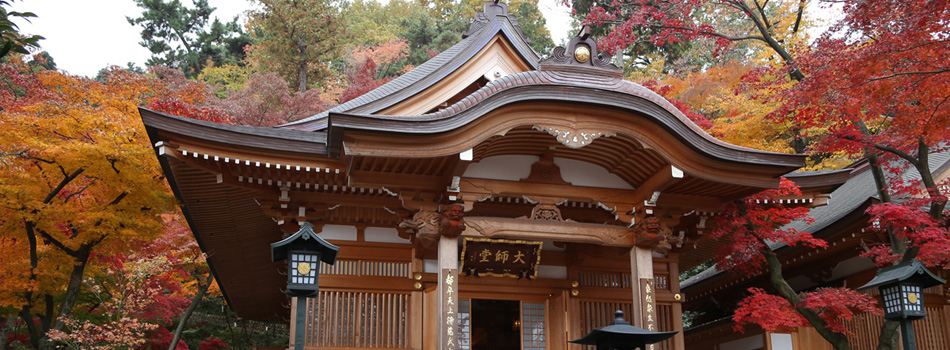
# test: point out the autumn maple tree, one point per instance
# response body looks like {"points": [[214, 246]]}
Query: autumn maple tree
{"points": [[771, 31], [891, 108], [875, 86], [748, 230], [79, 190]]}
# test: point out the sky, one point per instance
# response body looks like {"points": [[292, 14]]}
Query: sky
{"points": [[86, 36]]}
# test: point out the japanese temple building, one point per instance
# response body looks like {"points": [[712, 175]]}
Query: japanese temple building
{"points": [[487, 199]]}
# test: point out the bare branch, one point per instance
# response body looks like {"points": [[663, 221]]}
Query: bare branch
{"points": [[933, 72], [66, 180], [119, 198], [798, 18], [112, 162], [55, 242], [720, 35], [761, 9], [897, 152], [71, 195], [22, 154]]}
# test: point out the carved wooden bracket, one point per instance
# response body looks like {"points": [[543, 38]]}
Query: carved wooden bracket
{"points": [[425, 226], [546, 212], [652, 234], [572, 137], [428, 226]]}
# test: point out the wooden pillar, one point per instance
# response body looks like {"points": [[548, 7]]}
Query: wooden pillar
{"points": [[644, 294], [448, 293], [679, 340], [416, 318]]}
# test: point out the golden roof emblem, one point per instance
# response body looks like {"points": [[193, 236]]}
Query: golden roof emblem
{"points": [[581, 54]]}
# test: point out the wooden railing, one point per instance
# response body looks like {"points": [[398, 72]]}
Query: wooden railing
{"points": [[357, 320]]}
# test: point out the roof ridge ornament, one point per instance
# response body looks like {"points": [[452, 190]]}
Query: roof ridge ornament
{"points": [[581, 51], [491, 10]]}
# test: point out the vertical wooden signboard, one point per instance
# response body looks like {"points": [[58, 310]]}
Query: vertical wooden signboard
{"points": [[649, 306], [449, 310]]}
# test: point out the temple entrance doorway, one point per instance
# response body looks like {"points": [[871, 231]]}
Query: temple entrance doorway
{"points": [[496, 324]]}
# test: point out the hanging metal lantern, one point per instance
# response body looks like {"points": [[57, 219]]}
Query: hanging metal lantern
{"points": [[304, 251], [901, 288]]}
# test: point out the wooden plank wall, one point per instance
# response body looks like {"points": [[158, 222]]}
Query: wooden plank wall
{"points": [[932, 332], [597, 314]]}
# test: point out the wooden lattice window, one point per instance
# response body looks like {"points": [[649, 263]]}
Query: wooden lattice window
{"points": [[532, 326], [465, 325], [338, 319]]}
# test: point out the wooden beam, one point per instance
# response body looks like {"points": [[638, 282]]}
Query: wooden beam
{"points": [[560, 231], [644, 194]]}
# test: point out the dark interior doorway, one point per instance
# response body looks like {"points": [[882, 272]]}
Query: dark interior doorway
{"points": [[496, 324]]}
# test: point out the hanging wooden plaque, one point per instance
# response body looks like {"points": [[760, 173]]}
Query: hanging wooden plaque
{"points": [[500, 257], [449, 326]]}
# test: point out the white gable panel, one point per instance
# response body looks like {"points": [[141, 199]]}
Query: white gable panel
{"points": [[517, 167], [581, 173], [510, 168]]}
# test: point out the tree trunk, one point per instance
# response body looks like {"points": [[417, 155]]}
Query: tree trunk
{"points": [[7, 329], [72, 290], [837, 340], [890, 334], [69, 299], [202, 290], [302, 77], [302, 68]]}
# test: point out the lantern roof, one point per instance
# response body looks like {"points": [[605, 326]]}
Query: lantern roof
{"points": [[620, 332], [911, 271], [299, 240]]}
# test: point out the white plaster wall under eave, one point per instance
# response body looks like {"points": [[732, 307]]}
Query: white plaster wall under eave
{"points": [[517, 167], [338, 232], [383, 235]]}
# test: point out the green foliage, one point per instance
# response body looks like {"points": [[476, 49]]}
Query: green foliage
{"points": [[226, 79], [427, 36], [297, 39], [41, 61], [530, 19], [10, 38], [214, 318], [181, 37], [533, 25]]}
